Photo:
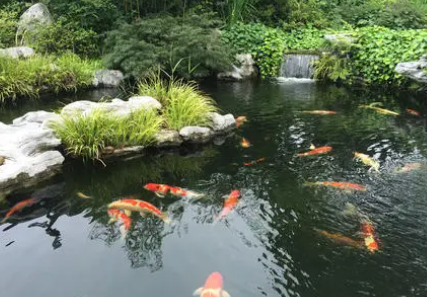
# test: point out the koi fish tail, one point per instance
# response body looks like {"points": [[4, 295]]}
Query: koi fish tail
{"points": [[123, 232], [167, 220], [112, 221], [3, 221], [159, 195]]}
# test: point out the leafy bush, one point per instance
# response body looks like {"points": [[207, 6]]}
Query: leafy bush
{"points": [[184, 105], [189, 46], [88, 134], [30, 77], [9, 16]]}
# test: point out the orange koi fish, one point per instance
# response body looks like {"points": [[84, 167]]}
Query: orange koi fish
{"points": [[213, 287], [254, 162], [117, 215], [338, 185], [140, 206], [340, 238], [408, 168], [240, 120], [159, 189], [180, 192], [230, 203], [18, 207], [316, 151], [245, 143], [369, 237], [413, 112], [320, 112]]}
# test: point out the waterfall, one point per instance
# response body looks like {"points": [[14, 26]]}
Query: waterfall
{"points": [[298, 66]]}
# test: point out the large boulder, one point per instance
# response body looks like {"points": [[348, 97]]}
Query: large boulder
{"points": [[168, 138], [196, 134], [17, 52], [247, 69], [108, 78], [35, 16], [28, 148], [222, 123], [415, 70]]}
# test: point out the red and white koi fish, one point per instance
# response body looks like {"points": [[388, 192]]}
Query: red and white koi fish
{"points": [[140, 206], [159, 189], [245, 143], [338, 185], [408, 168], [213, 287], [229, 204], [320, 112], [240, 120], [18, 207], [254, 162], [316, 151], [341, 238], [118, 215], [180, 192], [413, 112], [369, 237]]}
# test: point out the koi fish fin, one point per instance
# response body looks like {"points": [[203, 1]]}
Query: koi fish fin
{"points": [[127, 212], [123, 232], [159, 195], [4, 220], [143, 214], [199, 291], [111, 221], [312, 147], [225, 293], [375, 104], [167, 220]]}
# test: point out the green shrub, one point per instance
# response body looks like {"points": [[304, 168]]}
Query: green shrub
{"points": [[9, 16], [30, 77], [189, 46]]}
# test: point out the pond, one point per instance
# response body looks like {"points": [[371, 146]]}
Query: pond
{"points": [[271, 244]]}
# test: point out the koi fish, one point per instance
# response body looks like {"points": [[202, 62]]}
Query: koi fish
{"points": [[230, 203], [340, 238], [254, 162], [18, 207], [320, 112], [213, 287], [365, 159], [380, 110], [245, 143], [369, 237], [176, 191], [83, 196], [349, 210], [240, 120], [140, 206], [117, 215], [408, 168], [413, 112], [338, 185], [159, 189], [316, 151]]}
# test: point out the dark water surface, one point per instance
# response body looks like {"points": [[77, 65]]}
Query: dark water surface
{"points": [[63, 246]]}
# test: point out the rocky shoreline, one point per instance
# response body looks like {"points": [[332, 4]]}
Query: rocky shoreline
{"points": [[31, 153]]}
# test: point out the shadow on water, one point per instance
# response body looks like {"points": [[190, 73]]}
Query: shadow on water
{"points": [[268, 246]]}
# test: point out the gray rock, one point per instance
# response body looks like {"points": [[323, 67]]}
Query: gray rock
{"points": [[126, 151], [17, 52], [246, 70], [223, 123], [108, 78], [40, 117], [36, 15], [413, 70], [234, 74], [167, 138], [340, 38], [196, 134]]}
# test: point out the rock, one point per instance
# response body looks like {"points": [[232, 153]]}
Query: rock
{"points": [[413, 70], [223, 123], [340, 38], [167, 138], [36, 15], [126, 151], [108, 78], [116, 107], [40, 117], [17, 52], [246, 70], [29, 152], [196, 134]]}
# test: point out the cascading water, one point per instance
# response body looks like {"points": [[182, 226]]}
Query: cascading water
{"points": [[298, 66]]}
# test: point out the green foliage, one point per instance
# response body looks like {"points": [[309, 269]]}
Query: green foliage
{"points": [[184, 105], [87, 135], [30, 77], [189, 46], [9, 16]]}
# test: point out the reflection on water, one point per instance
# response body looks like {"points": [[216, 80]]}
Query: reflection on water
{"points": [[269, 246]]}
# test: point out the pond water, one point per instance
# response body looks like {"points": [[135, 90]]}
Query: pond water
{"points": [[270, 246]]}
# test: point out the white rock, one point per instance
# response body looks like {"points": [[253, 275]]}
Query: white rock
{"points": [[223, 123], [196, 134], [234, 74], [38, 14], [17, 52], [108, 78], [166, 138], [39, 117], [146, 102], [78, 107], [246, 70], [413, 70]]}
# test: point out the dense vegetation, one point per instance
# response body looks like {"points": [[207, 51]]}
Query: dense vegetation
{"points": [[195, 38]]}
